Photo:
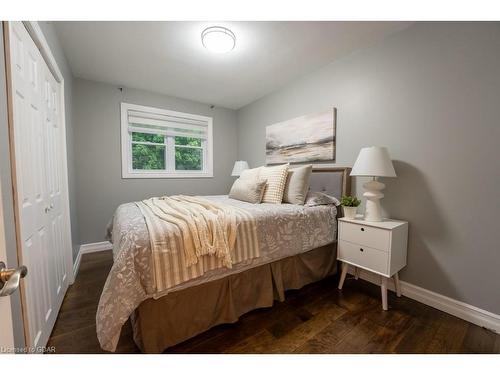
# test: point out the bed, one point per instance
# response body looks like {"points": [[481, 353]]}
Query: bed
{"points": [[296, 246]]}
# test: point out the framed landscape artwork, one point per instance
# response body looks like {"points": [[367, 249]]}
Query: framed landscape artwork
{"points": [[306, 138]]}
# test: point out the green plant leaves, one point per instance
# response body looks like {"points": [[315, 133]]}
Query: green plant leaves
{"points": [[350, 201]]}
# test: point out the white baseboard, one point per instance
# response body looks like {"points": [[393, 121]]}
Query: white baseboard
{"points": [[95, 247], [449, 305], [87, 249]]}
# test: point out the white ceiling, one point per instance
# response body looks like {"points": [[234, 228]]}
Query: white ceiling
{"points": [[168, 57]]}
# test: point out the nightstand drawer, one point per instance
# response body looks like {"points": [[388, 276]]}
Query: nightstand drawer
{"points": [[365, 235], [364, 256]]}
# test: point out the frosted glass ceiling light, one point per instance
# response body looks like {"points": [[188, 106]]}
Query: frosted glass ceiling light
{"points": [[218, 39]]}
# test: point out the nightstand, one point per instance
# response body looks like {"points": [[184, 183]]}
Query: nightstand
{"points": [[378, 247]]}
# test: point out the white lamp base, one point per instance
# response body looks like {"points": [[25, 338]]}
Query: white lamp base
{"points": [[373, 194]]}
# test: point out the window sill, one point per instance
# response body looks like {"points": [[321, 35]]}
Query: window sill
{"points": [[146, 175]]}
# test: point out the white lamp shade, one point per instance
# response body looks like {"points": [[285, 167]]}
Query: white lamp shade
{"points": [[239, 166], [373, 162]]}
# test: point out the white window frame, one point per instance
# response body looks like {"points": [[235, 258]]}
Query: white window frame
{"points": [[126, 140]]}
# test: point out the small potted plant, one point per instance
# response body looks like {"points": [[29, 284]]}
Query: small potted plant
{"points": [[350, 205]]}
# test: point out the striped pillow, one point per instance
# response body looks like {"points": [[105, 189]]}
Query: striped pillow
{"points": [[276, 181]]}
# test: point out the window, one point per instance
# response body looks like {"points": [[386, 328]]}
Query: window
{"points": [[157, 143]]}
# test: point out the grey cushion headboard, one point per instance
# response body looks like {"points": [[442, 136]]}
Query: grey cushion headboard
{"points": [[332, 181]]}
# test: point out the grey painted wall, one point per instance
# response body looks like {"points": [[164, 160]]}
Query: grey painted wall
{"points": [[55, 46], [430, 93], [101, 188], [8, 199]]}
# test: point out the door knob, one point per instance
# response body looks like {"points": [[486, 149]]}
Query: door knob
{"points": [[10, 278]]}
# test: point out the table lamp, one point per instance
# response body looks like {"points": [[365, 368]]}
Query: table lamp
{"points": [[239, 166], [373, 162]]}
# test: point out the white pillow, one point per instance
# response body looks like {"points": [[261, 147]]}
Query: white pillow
{"points": [[276, 181]]}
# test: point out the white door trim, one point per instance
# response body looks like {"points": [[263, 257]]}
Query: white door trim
{"points": [[6, 325]]}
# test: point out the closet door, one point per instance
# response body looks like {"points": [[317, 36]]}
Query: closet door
{"points": [[38, 153]]}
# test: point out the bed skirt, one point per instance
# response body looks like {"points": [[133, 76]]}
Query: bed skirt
{"points": [[176, 317]]}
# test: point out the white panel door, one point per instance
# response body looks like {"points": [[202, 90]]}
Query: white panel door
{"points": [[38, 145]]}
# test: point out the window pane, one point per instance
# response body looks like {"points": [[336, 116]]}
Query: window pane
{"points": [[146, 137], [188, 141], [148, 157], [190, 159]]}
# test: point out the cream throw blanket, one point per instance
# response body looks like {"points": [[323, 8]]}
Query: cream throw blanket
{"points": [[185, 231]]}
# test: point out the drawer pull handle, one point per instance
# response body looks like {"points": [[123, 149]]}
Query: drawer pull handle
{"points": [[362, 229], [361, 249]]}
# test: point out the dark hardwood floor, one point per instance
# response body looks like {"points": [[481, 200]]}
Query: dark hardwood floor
{"points": [[316, 319]]}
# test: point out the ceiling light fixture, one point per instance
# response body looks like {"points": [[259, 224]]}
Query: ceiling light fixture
{"points": [[218, 39]]}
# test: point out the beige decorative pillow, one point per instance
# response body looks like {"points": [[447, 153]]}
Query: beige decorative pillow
{"points": [[248, 190], [253, 173], [276, 180], [297, 184]]}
